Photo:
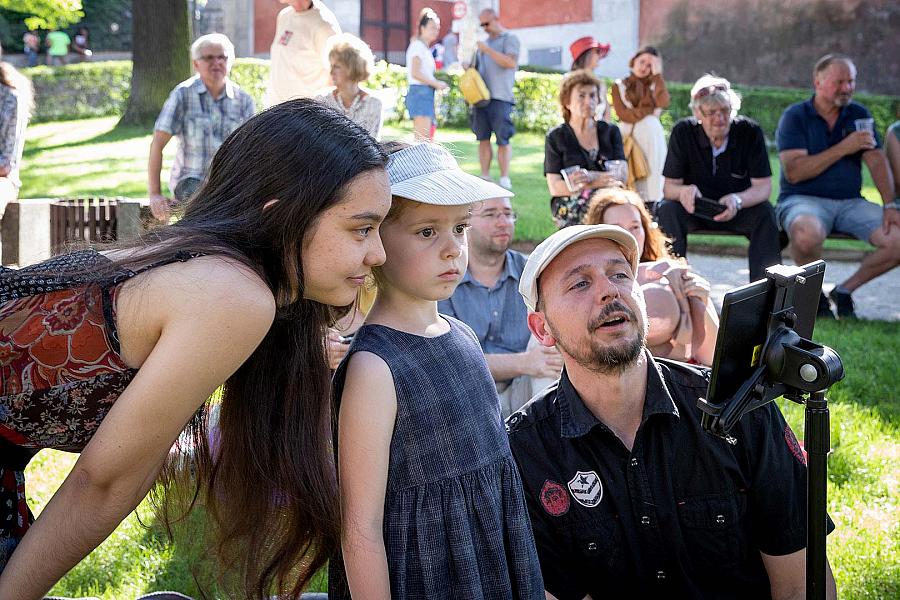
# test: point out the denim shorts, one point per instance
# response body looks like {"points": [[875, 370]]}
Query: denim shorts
{"points": [[420, 101], [854, 216], [494, 118]]}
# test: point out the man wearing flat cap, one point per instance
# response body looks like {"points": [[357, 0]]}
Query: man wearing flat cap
{"points": [[626, 492]]}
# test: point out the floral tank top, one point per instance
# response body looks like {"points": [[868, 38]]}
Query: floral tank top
{"points": [[61, 369]]}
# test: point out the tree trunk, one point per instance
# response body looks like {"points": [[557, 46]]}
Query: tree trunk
{"points": [[161, 39]]}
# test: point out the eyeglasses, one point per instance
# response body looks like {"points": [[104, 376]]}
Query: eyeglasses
{"points": [[208, 58], [492, 215], [725, 113], [486, 24], [710, 89]]}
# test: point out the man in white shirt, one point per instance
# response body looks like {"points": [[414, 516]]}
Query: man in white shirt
{"points": [[298, 67]]}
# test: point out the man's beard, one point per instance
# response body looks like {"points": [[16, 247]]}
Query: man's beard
{"points": [[842, 100], [486, 246], [607, 359]]}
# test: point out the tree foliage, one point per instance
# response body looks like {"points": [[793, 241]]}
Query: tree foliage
{"points": [[46, 14]]}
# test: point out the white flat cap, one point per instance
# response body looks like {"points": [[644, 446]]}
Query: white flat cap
{"points": [[427, 173], [547, 250]]}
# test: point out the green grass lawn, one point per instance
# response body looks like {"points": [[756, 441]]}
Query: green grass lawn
{"points": [[90, 157]]}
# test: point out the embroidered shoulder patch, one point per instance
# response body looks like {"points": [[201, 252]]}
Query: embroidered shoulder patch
{"points": [[554, 499], [586, 488]]}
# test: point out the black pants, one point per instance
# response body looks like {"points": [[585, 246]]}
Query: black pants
{"points": [[756, 223]]}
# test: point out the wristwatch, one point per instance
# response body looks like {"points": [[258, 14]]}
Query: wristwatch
{"points": [[737, 202], [894, 205]]}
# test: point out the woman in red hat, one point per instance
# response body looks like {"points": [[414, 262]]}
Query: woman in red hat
{"points": [[639, 100], [586, 54]]}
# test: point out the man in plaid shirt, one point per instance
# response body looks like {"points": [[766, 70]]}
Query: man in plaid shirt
{"points": [[201, 112]]}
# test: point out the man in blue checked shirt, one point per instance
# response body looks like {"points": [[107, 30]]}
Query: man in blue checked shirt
{"points": [[201, 112], [487, 300]]}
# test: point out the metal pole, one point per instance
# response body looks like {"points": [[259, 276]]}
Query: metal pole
{"points": [[818, 445]]}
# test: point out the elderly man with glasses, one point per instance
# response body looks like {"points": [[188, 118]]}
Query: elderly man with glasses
{"points": [[717, 176], [488, 301], [201, 112]]}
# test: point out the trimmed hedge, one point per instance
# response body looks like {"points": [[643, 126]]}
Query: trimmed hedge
{"points": [[100, 89]]}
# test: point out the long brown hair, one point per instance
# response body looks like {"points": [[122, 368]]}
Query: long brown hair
{"points": [[268, 484], [655, 243]]}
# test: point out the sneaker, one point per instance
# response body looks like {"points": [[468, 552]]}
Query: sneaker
{"points": [[505, 183], [843, 302], [824, 310], [486, 178]]}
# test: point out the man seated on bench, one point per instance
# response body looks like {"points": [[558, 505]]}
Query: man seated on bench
{"points": [[488, 300], [717, 176], [822, 143]]}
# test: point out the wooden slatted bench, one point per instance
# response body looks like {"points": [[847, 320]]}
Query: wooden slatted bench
{"points": [[782, 235], [35, 228]]}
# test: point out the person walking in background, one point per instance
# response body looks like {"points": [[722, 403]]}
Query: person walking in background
{"points": [[639, 100], [587, 54], [201, 112], [57, 43], [578, 153], [80, 44], [420, 67], [297, 68], [31, 45], [15, 107], [431, 501], [496, 59], [451, 54], [822, 143], [351, 63], [718, 176]]}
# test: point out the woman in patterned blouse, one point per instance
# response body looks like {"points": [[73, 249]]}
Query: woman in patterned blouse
{"points": [[351, 63]]}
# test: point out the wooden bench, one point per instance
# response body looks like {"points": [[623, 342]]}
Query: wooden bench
{"points": [[782, 235], [35, 228]]}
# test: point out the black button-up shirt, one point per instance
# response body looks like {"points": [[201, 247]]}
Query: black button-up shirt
{"points": [[690, 157], [684, 513]]}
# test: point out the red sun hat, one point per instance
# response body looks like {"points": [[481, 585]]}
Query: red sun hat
{"points": [[582, 45]]}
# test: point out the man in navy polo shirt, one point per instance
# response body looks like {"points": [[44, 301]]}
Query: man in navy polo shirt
{"points": [[487, 300], [822, 143], [628, 496]]}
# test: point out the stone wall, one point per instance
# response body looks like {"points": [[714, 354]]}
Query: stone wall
{"points": [[775, 42]]}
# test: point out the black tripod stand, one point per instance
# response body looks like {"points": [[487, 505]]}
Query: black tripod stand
{"points": [[792, 366]]}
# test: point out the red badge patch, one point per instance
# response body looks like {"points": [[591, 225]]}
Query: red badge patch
{"points": [[554, 499], [793, 445]]}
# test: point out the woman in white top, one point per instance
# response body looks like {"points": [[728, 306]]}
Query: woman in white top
{"points": [[351, 63], [420, 75]]}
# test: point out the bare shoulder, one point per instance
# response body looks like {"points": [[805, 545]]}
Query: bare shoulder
{"points": [[201, 290], [369, 367]]}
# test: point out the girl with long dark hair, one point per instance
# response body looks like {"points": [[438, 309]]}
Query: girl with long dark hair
{"points": [[114, 355]]}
